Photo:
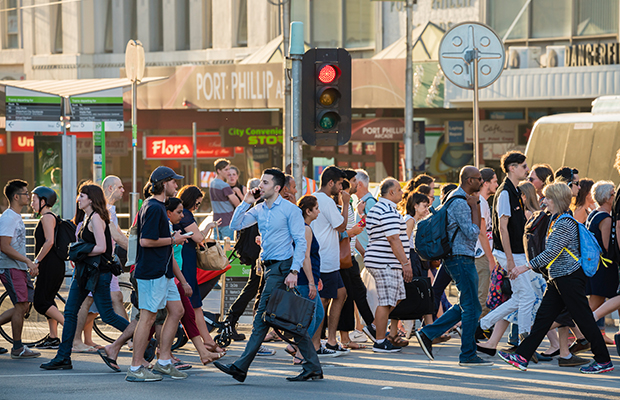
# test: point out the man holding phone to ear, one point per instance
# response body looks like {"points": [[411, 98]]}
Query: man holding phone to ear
{"points": [[281, 224]]}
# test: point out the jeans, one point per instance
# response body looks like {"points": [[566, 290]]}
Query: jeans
{"points": [[223, 231], [463, 270], [319, 311], [274, 276], [102, 299]]}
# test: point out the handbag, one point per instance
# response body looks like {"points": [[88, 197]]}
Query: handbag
{"points": [[287, 310], [499, 288], [345, 254], [132, 245], [211, 258]]}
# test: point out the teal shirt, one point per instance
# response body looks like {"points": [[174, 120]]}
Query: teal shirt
{"points": [[177, 249], [362, 238]]}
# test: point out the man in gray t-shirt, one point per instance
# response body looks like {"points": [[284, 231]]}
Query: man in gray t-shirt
{"points": [[14, 265], [223, 199]]}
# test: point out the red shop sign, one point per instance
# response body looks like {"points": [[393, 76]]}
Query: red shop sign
{"points": [[3, 144], [181, 147], [22, 142]]}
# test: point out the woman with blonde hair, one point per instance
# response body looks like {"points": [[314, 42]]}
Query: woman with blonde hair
{"points": [[566, 286]]}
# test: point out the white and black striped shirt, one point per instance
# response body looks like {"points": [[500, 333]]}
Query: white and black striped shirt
{"points": [[384, 220]]}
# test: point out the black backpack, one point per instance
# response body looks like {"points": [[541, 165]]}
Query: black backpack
{"points": [[613, 253], [535, 234], [64, 235], [246, 248]]}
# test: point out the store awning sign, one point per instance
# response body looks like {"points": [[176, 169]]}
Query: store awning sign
{"points": [[181, 147], [3, 143], [252, 136], [491, 131], [22, 142], [103, 106], [27, 110]]}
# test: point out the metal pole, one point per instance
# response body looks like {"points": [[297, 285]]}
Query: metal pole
{"points": [[286, 117], [134, 196], [195, 154], [296, 55], [409, 95], [476, 113]]}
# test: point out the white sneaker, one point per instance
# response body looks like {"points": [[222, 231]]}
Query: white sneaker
{"points": [[265, 351], [358, 337]]}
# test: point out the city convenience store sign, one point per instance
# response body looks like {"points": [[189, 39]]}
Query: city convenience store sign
{"points": [[252, 136]]}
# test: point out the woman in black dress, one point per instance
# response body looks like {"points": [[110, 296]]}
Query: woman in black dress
{"points": [[51, 267]]}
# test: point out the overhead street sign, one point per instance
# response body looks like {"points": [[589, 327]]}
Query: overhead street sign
{"points": [[89, 109], [28, 111]]}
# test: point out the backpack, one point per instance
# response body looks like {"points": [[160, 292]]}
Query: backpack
{"points": [[246, 248], [64, 235], [613, 251], [591, 253], [431, 234], [535, 234]]}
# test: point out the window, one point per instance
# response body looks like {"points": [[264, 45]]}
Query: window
{"points": [[502, 13], [338, 23], [551, 18], [156, 36], [182, 24], [12, 26], [108, 42], [207, 37], [130, 17], [242, 24], [597, 17], [57, 29]]}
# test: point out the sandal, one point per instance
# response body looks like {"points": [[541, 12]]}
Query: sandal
{"points": [[289, 351], [214, 348], [217, 357], [299, 361], [398, 341], [181, 366], [108, 361], [354, 346]]}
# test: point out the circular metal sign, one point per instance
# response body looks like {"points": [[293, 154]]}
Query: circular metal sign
{"points": [[464, 42], [134, 61]]}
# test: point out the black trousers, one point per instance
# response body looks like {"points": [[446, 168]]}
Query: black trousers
{"points": [[570, 292], [252, 288], [356, 292]]}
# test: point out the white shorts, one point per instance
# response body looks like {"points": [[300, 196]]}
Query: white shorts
{"points": [[153, 294]]}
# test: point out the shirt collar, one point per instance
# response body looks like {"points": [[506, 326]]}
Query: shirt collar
{"points": [[275, 203], [388, 202]]}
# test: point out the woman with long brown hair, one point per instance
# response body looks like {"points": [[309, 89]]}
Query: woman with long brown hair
{"points": [[95, 231], [583, 204]]}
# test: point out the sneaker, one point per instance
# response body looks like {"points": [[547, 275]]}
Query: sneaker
{"points": [[385, 347], [24, 352], [476, 362], [169, 370], [265, 351], [425, 343], [49, 343], [371, 332], [579, 346], [573, 361], [514, 359], [323, 352], [597, 368], [142, 375], [337, 348], [358, 337]]}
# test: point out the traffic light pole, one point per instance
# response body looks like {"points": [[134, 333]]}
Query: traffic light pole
{"points": [[296, 52], [409, 95], [286, 117]]}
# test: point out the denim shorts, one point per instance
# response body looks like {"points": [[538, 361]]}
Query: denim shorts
{"points": [[153, 294]]}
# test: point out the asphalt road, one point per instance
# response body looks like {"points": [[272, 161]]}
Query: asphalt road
{"points": [[361, 374]]}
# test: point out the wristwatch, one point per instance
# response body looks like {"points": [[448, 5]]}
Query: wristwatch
{"points": [[35, 262], [294, 272]]}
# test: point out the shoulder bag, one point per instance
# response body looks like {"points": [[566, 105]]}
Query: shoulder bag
{"points": [[345, 253], [287, 311]]}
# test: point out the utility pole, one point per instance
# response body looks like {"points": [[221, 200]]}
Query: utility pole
{"points": [[286, 117], [409, 94], [296, 54]]}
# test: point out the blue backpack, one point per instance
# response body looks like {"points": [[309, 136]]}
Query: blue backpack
{"points": [[431, 234], [591, 253]]}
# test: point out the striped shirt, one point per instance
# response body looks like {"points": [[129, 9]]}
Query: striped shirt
{"points": [[383, 221], [562, 233], [222, 207]]}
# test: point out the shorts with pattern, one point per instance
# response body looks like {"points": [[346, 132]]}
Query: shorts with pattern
{"points": [[18, 285], [390, 285]]}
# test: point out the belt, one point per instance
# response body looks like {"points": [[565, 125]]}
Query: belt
{"points": [[267, 263], [461, 256]]}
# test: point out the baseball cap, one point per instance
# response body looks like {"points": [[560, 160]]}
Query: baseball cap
{"points": [[162, 173]]}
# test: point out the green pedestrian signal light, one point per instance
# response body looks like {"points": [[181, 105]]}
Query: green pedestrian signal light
{"points": [[328, 120]]}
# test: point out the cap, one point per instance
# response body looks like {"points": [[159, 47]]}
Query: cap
{"points": [[162, 173]]}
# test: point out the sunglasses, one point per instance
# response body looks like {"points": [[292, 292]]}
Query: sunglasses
{"points": [[531, 179]]}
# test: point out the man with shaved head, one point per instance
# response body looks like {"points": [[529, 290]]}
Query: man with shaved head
{"points": [[463, 228]]}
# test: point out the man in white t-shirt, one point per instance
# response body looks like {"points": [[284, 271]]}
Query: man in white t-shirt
{"points": [[327, 228], [485, 262]]}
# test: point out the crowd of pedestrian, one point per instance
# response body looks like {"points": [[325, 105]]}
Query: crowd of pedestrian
{"points": [[366, 263]]}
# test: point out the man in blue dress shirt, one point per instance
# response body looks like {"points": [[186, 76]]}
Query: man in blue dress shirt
{"points": [[281, 224]]}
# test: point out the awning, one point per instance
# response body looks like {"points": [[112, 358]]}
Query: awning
{"points": [[72, 87], [426, 39]]}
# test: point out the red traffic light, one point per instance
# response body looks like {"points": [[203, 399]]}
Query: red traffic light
{"points": [[328, 73]]}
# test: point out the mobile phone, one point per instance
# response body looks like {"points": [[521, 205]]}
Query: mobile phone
{"points": [[362, 223], [256, 193], [187, 234]]}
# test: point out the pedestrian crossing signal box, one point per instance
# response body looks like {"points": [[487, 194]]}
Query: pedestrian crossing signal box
{"points": [[326, 97]]}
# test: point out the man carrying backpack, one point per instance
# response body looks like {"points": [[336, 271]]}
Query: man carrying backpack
{"points": [[463, 212]]}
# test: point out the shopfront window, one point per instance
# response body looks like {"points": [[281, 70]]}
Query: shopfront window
{"points": [[343, 22], [502, 13], [597, 17], [551, 18]]}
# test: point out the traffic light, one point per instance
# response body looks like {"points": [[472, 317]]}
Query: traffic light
{"points": [[326, 97]]}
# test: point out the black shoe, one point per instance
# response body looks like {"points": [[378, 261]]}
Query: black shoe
{"points": [[579, 346], [57, 363], [371, 332], [543, 357], [236, 336], [3, 350], [304, 376], [482, 334], [425, 343], [231, 370], [149, 353], [49, 343], [488, 352], [554, 354]]}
